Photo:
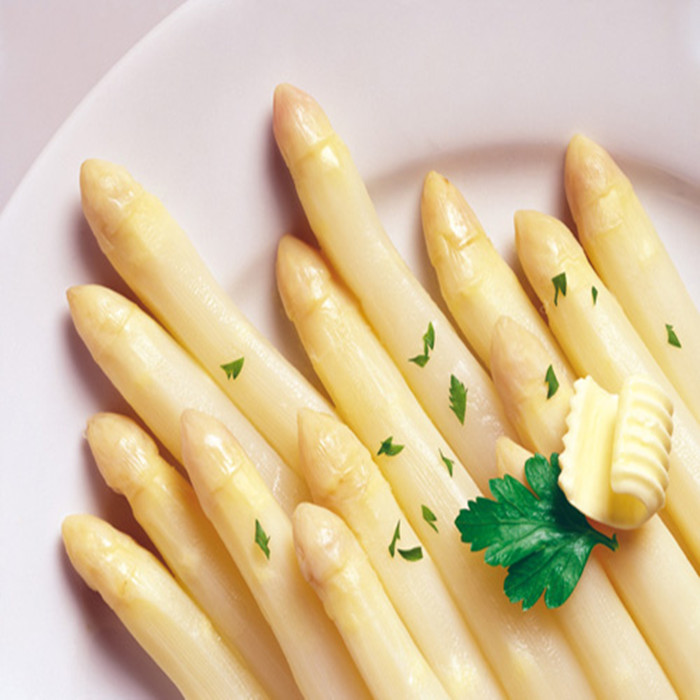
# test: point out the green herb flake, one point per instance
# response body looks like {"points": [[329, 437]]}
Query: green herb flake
{"points": [[395, 538], [428, 345], [672, 337], [458, 398], [415, 554], [559, 282], [262, 539], [233, 369], [388, 448], [594, 294], [541, 539], [552, 382], [429, 517], [449, 463]]}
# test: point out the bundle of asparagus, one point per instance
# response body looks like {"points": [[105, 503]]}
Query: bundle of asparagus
{"points": [[311, 544]]}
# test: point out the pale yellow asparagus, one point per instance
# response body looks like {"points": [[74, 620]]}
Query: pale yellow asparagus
{"points": [[599, 340], [337, 568], [399, 309], [527, 652], [157, 260], [343, 478], [160, 380], [158, 613], [650, 572], [511, 457], [165, 505], [627, 253], [476, 282], [258, 535], [519, 365]]}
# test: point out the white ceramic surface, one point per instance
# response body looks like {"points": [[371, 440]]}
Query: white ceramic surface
{"points": [[488, 92]]}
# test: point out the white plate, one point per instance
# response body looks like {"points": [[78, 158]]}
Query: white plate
{"points": [[489, 92]]}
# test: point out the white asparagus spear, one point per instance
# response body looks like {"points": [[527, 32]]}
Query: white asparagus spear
{"points": [[527, 652], [258, 535], [627, 253], [476, 282], [343, 478], [160, 380], [599, 340], [649, 570], [401, 312], [157, 612], [336, 567], [164, 504], [519, 366], [511, 457], [156, 259]]}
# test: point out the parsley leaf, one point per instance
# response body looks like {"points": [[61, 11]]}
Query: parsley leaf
{"points": [[559, 282], [395, 538], [429, 517], [449, 463], [458, 398], [428, 345], [233, 369], [538, 535], [415, 554], [552, 382], [672, 337], [388, 448], [262, 539], [594, 294]]}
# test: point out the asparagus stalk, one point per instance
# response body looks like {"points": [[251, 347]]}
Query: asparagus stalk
{"points": [[630, 258], [160, 380], [157, 612], [401, 312], [337, 568], [650, 572], [157, 260], [476, 282], [164, 504], [258, 535], [599, 340], [343, 478], [519, 367], [527, 652]]}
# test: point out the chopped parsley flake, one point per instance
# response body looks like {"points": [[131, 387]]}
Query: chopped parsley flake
{"points": [[552, 382], [559, 282], [449, 463], [262, 539], [388, 448], [458, 398], [395, 538], [672, 337], [233, 369], [429, 517], [415, 554], [428, 345]]}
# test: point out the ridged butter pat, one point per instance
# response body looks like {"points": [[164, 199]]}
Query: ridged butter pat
{"points": [[616, 451]]}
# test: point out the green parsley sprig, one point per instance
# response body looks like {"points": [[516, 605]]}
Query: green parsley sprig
{"points": [[541, 539]]}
